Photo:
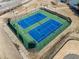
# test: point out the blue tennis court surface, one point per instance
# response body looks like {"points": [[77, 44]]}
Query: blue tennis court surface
{"points": [[41, 32], [31, 20]]}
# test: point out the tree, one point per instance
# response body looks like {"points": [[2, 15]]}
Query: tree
{"points": [[78, 6]]}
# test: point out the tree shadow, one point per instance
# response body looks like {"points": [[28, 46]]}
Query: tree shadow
{"points": [[76, 11]]}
